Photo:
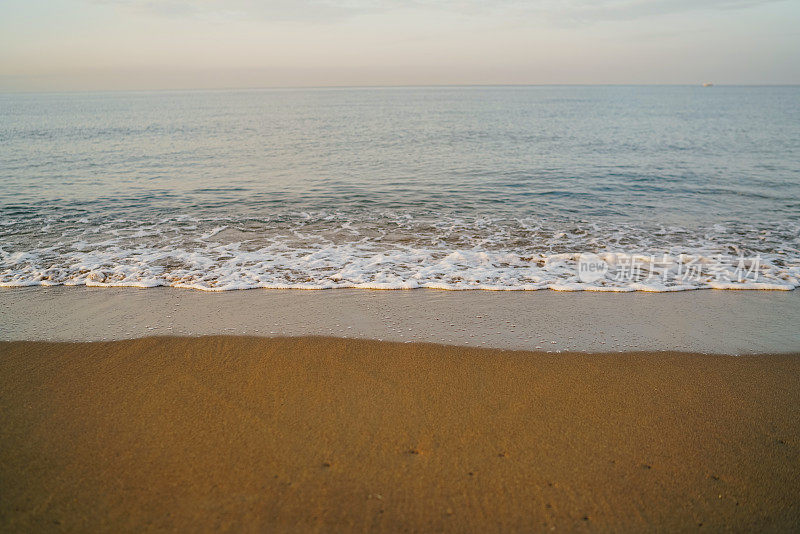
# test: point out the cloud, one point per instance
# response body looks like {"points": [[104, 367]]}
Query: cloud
{"points": [[279, 10], [584, 11], [636, 9]]}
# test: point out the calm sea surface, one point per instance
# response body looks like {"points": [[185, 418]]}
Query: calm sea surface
{"points": [[455, 188]]}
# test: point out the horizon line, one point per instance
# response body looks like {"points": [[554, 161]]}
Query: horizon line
{"points": [[384, 86]]}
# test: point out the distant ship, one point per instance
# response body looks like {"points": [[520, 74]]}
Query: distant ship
{"points": [[708, 84]]}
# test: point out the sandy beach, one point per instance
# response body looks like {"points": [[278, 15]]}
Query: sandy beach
{"points": [[323, 266], [324, 434]]}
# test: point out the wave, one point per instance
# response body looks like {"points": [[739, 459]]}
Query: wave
{"points": [[394, 250]]}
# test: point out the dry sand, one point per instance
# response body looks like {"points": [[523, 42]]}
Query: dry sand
{"points": [[320, 434]]}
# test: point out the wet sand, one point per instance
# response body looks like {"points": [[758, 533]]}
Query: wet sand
{"points": [[722, 322], [323, 434]]}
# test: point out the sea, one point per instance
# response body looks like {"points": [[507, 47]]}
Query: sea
{"points": [[657, 188]]}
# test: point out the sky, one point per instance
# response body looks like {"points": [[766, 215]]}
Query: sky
{"points": [[185, 44]]}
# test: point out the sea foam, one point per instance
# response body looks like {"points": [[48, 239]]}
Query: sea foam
{"points": [[327, 250]]}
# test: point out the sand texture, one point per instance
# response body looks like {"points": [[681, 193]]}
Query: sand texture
{"points": [[331, 435]]}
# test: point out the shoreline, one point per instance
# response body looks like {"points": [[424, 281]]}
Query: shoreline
{"points": [[308, 434], [722, 322]]}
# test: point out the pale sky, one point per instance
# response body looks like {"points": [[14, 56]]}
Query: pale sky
{"points": [[183, 44]]}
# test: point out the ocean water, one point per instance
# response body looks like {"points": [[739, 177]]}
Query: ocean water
{"points": [[500, 188]]}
